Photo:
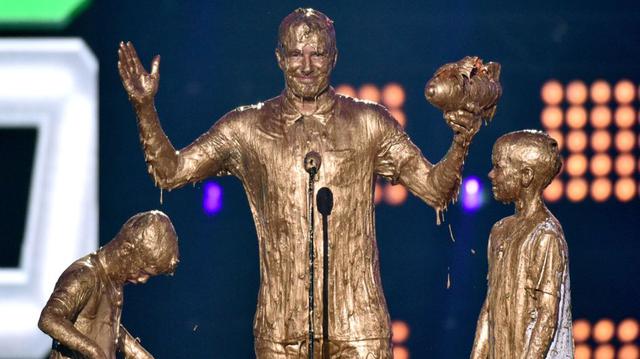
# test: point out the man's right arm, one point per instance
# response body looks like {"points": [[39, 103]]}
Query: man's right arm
{"points": [[169, 168]]}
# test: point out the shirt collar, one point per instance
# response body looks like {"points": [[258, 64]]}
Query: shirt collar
{"points": [[290, 113]]}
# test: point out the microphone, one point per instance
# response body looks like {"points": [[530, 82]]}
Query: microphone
{"points": [[312, 162], [324, 199]]}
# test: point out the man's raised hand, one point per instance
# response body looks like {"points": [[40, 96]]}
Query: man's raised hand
{"points": [[140, 85]]}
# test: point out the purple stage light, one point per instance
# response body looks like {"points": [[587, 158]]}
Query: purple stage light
{"points": [[472, 194], [212, 198]]}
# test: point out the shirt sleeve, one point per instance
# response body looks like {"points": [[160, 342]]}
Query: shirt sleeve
{"points": [[71, 293], [548, 263]]}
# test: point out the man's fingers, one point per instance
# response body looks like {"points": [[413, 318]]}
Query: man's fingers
{"points": [[155, 66]]}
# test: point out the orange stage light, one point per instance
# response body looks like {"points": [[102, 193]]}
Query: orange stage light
{"points": [[600, 191], [628, 330], [600, 140], [581, 330], [377, 194], [606, 351], [629, 351], [576, 92], [576, 141], [600, 92], [576, 165], [600, 116], [395, 195], [625, 116], [399, 331], [369, 92], [551, 117], [346, 90], [576, 117], [400, 352], [554, 190], [393, 95], [625, 165], [557, 135], [583, 351], [399, 116], [552, 92], [603, 330], [625, 140], [625, 189], [624, 91], [600, 164], [577, 189]]}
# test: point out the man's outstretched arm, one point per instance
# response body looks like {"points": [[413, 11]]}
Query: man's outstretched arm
{"points": [[168, 167], [400, 160]]}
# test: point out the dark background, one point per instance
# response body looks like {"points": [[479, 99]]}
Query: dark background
{"points": [[218, 55]]}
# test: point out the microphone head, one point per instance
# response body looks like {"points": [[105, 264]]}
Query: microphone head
{"points": [[312, 162], [324, 201]]}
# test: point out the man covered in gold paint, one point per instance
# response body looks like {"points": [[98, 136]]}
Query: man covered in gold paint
{"points": [[527, 311], [83, 313], [264, 145]]}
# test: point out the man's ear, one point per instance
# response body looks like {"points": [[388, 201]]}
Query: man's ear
{"points": [[280, 59], [526, 176]]}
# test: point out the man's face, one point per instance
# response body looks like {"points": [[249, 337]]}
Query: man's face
{"points": [[306, 59], [504, 176]]}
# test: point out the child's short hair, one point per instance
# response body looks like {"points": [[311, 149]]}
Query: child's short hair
{"points": [[535, 149]]}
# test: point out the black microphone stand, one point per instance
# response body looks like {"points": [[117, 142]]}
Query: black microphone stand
{"points": [[324, 201]]}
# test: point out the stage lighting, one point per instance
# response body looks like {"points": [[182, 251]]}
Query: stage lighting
{"points": [[552, 92], [576, 165], [576, 92], [346, 90], [625, 165], [605, 351], [625, 140], [393, 95], [582, 351], [600, 164], [400, 331], [557, 135], [600, 92], [472, 194], [554, 190], [603, 330], [625, 189], [400, 352], [377, 194], [600, 140], [399, 116], [601, 190], [395, 195], [624, 91], [551, 117], [629, 351], [581, 330], [369, 92], [600, 116], [625, 116], [577, 189], [576, 117], [576, 141], [628, 330], [212, 198]]}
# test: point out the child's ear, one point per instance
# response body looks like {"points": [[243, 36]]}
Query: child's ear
{"points": [[526, 177]]}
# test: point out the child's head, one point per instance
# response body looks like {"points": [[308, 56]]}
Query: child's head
{"points": [[148, 245], [523, 160]]}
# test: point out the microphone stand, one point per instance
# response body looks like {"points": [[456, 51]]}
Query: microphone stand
{"points": [[312, 162], [324, 201]]}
